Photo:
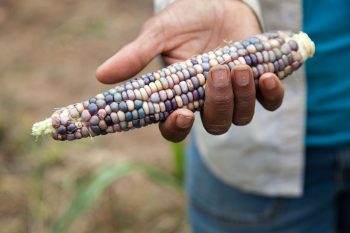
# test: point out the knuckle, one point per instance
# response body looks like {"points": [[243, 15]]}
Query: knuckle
{"points": [[220, 87], [222, 100], [245, 99], [151, 25]]}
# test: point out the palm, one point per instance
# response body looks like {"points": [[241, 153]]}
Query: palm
{"points": [[202, 29], [185, 28]]}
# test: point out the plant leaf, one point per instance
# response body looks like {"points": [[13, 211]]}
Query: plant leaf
{"points": [[161, 176], [178, 154], [87, 194]]}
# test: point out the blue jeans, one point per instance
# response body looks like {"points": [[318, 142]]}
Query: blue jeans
{"points": [[215, 207]]}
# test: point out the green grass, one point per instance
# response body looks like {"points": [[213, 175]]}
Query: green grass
{"points": [[178, 155], [88, 192]]}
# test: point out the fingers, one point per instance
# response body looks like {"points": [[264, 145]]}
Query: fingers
{"points": [[177, 126], [244, 94], [230, 98], [218, 106], [133, 57], [271, 91]]}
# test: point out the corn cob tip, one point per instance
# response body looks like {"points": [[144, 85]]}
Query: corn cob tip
{"points": [[306, 45], [43, 128]]}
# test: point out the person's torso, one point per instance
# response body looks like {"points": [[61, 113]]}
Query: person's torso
{"points": [[328, 77]]}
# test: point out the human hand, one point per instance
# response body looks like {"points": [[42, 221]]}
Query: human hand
{"points": [[230, 98], [181, 31]]}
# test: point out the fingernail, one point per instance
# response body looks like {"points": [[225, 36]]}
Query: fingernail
{"points": [[242, 78], [220, 77], [269, 83], [183, 122]]}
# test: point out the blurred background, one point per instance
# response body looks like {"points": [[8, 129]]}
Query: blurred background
{"points": [[127, 182]]}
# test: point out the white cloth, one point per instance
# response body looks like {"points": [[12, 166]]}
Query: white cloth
{"points": [[266, 156]]}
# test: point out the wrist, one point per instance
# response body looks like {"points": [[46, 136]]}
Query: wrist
{"points": [[255, 7], [250, 7], [244, 21]]}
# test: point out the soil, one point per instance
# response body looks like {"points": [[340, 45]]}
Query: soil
{"points": [[49, 53]]}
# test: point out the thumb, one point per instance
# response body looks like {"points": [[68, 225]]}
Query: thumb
{"points": [[133, 57], [178, 125]]}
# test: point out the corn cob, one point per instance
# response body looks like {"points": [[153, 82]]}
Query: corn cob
{"points": [[150, 98]]}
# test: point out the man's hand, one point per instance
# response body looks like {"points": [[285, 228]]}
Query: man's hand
{"points": [[230, 98], [186, 28]]}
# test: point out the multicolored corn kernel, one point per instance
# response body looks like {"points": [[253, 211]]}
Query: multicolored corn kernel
{"points": [[152, 97]]}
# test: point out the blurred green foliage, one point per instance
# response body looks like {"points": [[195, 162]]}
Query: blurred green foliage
{"points": [[89, 191], [178, 154]]}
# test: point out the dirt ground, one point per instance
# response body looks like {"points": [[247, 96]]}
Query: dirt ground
{"points": [[49, 53]]}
